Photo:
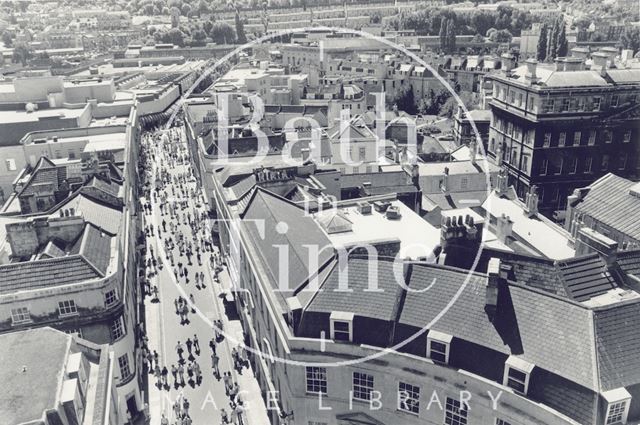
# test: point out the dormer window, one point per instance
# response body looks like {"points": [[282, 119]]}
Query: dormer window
{"points": [[438, 345], [341, 326], [516, 374], [618, 402]]}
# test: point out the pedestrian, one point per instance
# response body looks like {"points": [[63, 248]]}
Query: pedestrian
{"points": [[189, 344], [165, 373], [177, 409], [234, 356], [234, 391], [175, 302], [164, 420], [212, 344], [197, 372], [174, 373], [185, 406], [157, 373], [224, 416], [227, 382], [215, 361], [181, 374], [196, 343], [190, 370], [193, 303], [179, 349]]}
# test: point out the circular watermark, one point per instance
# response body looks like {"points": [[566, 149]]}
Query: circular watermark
{"points": [[283, 227]]}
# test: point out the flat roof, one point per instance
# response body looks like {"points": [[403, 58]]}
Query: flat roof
{"points": [[24, 116], [31, 385], [417, 237], [457, 167]]}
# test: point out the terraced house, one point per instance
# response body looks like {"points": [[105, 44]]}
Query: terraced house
{"points": [[72, 266], [562, 127]]}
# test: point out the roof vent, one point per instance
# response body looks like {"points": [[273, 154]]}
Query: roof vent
{"points": [[381, 206], [364, 208]]}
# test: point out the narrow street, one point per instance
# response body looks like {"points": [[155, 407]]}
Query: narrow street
{"points": [[186, 299]]}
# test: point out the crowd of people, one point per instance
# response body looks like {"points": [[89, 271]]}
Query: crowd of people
{"points": [[183, 233]]}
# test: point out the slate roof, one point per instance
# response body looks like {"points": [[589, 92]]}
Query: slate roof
{"points": [[586, 277], [629, 262], [608, 201], [111, 188], [377, 305], [43, 273], [265, 209], [618, 345], [86, 258], [101, 215]]}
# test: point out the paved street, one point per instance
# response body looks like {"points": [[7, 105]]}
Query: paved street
{"points": [[176, 227]]}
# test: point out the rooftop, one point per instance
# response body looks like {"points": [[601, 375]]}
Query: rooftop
{"points": [[22, 374]]}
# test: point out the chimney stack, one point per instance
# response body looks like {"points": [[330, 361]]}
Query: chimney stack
{"points": [[473, 147], [530, 76], [580, 52], [508, 62], [444, 183], [503, 182], [589, 240], [599, 62], [504, 228], [531, 202], [493, 283]]}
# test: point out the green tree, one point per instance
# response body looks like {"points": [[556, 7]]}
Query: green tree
{"points": [[630, 39], [541, 53], [222, 33], [552, 45]]}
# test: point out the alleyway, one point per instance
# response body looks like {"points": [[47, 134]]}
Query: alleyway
{"points": [[185, 299]]}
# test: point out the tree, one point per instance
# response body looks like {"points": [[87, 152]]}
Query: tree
{"points": [[207, 27], [403, 98], [186, 10], [451, 36], [175, 17], [443, 34], [552, 45], [222, 33], [21, 53], [203, 8], [7, 39], [450, 106], [500, 36], [541, 53], [175, 36], [240, 35], [630, 39], [562, 44]]}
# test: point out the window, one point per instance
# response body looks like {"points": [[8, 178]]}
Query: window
{"points": [[562, 138], [341, 326], [316, 380], [565, 104], [618, 401], [20, 315], [362, 154], [615, 412], [502, 422], [516, 374], [110, 297], [576, 138], [555, 195], [608, 136], [588, 164], [605, 162], [74, 331], [117, 329], [622, 161], [362, 386], [123, 362], [627, 136], [547, 140], [66, 308], [408, 398], [525, 163], [454, 413], [548, 105], [573, 165], [560, 166], [512, 97], [592, 138], [464, 182], [438, 344], [614, 100], [544, 164], [596, 103]]}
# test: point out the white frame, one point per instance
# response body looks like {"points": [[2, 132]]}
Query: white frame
{"points": [[353, 385], [614, 398], [441, 338], [69, 305], [20, 311], [126, 364], [120, 325], [317, 369], [115, 297], [521, 366], [406, 400], [339, 316]]}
